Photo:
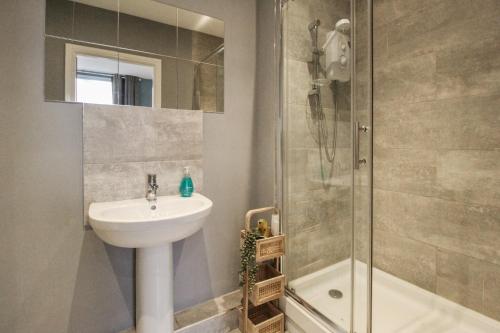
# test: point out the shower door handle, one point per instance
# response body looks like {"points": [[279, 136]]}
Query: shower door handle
{"points": [[357, 129]]}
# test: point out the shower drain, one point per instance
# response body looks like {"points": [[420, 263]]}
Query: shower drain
{"points": [[334, 293]]}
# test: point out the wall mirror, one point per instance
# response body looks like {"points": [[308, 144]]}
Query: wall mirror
{"points": [[129, 52]]}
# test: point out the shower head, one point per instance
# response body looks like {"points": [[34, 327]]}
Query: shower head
{"points": [[314, 25], [343, 25]]}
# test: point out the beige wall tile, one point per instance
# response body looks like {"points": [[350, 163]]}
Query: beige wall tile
{"points": [[460, 279], [298, 82], [467, 229], [409, 80], [471, 175], [468, 281], [468, 176], [491, 302], [408, 259], [458, 123], [406, 170], [439, 26]]}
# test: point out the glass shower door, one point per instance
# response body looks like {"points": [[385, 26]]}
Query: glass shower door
{"points": [[325, 195]]}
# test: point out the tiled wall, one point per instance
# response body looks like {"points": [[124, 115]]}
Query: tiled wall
{"points": [[437, 147], [318, 211], [122, 144]]}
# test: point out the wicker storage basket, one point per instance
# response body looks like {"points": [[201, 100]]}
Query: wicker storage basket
{"points": [[270, 285], [268, 248], [264, 318]]}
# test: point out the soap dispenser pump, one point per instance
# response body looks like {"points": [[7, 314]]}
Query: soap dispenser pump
{"points": [[186, 188]]}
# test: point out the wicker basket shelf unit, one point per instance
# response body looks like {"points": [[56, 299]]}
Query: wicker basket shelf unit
{"points": [[265, 318], [270, 285], [258, 315], [268, 248]]}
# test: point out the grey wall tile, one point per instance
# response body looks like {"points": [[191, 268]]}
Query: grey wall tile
{"points": [[114, 181], [298, 41], [298, 82], [216, 307], [406, 170], [132, 134], [468, 176], [409, 80], [467, 229], [491, 301], [458, 123], [464, 69], [115, 134], [411, 35], [436, 160], [470, 282], [472, 175], [408, 259], [221, 323], [178, 134], [460, 279]]}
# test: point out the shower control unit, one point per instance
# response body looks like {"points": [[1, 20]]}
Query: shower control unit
{"points": [[337, 52]]}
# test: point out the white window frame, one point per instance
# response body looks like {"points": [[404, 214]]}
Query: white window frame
{"points": [[73, 51]]}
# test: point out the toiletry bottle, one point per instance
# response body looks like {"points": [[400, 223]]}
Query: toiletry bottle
{"points": [[275, 225], [186, 188]]}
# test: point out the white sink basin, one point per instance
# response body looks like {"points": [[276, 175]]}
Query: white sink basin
{"points": [[132, 223]]}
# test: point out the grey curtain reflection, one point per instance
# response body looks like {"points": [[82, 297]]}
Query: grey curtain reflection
{"points": [[125, 89], [132, 90]]}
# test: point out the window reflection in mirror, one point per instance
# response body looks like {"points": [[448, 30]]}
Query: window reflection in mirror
{"points": [[94, 75], [145, 54]]}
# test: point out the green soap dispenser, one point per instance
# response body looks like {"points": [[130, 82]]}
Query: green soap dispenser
{"points": [[186, 188]]}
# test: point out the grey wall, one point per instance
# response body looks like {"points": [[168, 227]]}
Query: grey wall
{"points": [[227, 162], [264, 139], [437, 147], [57, 278]]}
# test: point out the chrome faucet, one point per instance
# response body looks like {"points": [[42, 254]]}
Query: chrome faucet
{"points": [[151, 192]]}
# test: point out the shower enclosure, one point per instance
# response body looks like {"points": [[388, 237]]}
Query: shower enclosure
{"points": [[389, 164]]}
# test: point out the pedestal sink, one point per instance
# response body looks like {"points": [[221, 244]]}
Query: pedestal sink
{"points": [[134, 224]]}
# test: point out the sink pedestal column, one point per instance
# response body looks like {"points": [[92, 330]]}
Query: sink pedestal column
{"points": [[154, 290]]}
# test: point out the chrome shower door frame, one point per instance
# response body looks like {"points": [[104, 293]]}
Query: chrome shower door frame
{"points": [[281, 167]]}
